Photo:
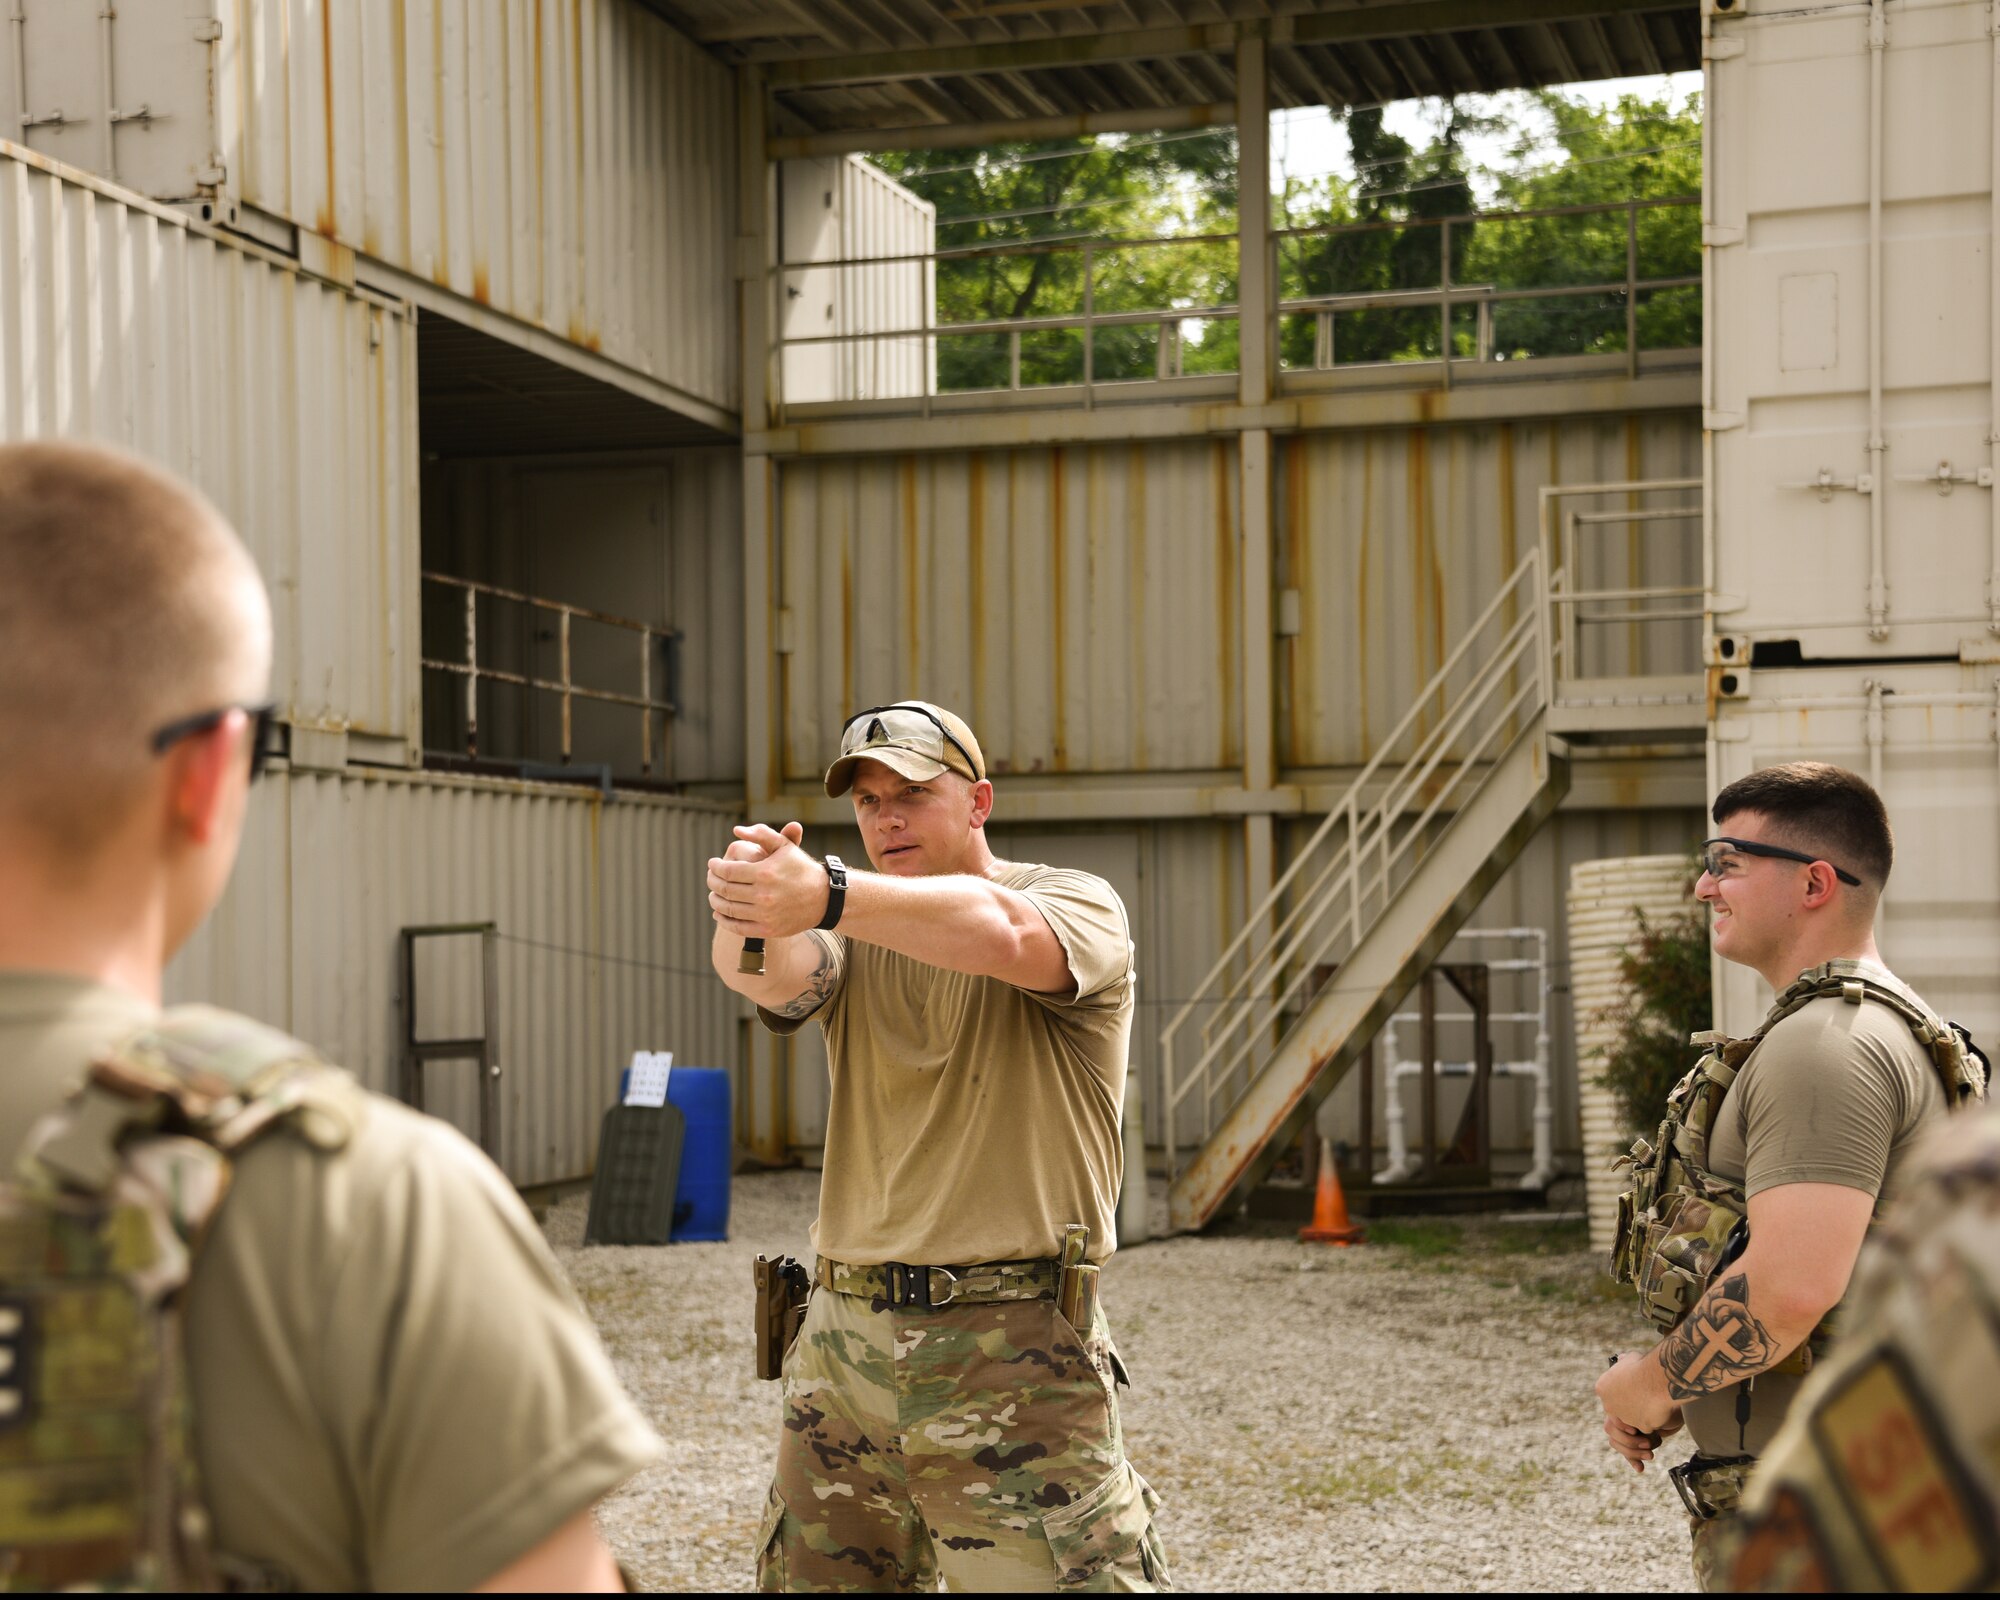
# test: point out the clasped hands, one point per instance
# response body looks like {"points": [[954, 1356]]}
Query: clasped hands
{"points": [[764, 886], [1634, 1420]]}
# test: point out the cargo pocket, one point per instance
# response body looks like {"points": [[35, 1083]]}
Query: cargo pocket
{"points": [[770, 1547], [1105, 1542]]}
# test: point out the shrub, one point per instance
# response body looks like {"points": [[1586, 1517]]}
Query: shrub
{"points": [[1667, 974]]}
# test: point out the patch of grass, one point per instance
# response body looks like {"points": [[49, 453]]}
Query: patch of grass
{"points": [[1565, 1236], [1425, 1237]]}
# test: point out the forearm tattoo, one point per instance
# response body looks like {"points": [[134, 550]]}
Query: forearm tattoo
{"points": [[1719, 1344], [818, 987]]}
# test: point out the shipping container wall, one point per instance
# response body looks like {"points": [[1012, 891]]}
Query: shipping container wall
{"points": [[1924, 735], [1396, 539], [654, 538], [1852, 362], [843, 208], [1078, 604], [604, 935], [568, 162], [291, 402]]}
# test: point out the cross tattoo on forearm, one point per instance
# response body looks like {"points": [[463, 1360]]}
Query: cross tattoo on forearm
{"points": [[1718, 1345]]}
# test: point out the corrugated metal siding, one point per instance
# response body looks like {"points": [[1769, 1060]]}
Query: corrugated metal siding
{"points": [[605, 949], [657, 538], [1079, 604], [569, 162], [1791, 144], [290, 401], [842, 208], [1936, 764], [1397, 538]]}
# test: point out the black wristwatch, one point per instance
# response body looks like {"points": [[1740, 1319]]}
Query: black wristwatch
{"points": [[836, 891]]}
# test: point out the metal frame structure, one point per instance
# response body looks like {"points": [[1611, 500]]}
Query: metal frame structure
{"points": [[484, 1049], [566, 687], [1447, 298]]}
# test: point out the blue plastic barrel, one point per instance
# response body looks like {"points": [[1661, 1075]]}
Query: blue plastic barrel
{"points": [[701, 1202]]}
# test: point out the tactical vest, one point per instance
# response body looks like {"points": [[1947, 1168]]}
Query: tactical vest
{"points": [[112, 1197], [1680, 1221]]}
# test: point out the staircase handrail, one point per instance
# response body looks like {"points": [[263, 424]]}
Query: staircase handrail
{"points": [[1368, 826]]}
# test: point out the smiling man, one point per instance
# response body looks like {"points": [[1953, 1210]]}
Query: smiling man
{"points": [[1778, 1151], [943, 1417]]}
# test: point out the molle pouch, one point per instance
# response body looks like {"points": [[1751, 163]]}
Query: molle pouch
{"points": [[783, 1288], [1680, 1255]]}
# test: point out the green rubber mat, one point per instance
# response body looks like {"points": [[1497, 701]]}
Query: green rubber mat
{"points": [[638, 1169]]}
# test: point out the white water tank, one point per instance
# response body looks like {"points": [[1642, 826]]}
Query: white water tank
{"points": [[1607, 898]]}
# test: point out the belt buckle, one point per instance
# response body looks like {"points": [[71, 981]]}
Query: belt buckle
{"points": [[910, 1287], [1691, 1497]]}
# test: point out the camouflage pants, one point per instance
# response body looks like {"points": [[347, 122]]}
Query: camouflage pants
{"points": [[978, 1444], [1712, 1537]]}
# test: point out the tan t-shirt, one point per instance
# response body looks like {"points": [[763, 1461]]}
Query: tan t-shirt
{"points": [[1835, 1093], [393, 1386], [970, 1120]]}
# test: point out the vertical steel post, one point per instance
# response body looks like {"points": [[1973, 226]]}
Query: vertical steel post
{"points": [[1367, 1065], [1444, 297], [1014, 358], [411, 1088], [489, 1044], [1632, 288], [1089, 328], [562, 634], [471, 672], [1428, 1046], [646, 694]]}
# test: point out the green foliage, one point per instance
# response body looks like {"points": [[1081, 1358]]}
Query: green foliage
{"points": [[1667, 974], [1004, 204]]}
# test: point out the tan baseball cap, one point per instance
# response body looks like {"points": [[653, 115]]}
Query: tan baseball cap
{"points": [[912, 737]]}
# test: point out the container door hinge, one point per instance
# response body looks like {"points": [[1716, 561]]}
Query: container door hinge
{"points": [[1717, 234], [1721, 421], [212, 177], [207, 31], [1721, 49]]}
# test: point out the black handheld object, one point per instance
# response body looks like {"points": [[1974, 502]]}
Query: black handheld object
{"points": [[752, 959]]}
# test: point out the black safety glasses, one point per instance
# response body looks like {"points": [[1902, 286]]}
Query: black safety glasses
{"points": [[262, 718], [1713, 851], [849, 747]]}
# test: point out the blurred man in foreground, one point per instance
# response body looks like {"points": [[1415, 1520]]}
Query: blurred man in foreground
{"points": [[257, 1327]]}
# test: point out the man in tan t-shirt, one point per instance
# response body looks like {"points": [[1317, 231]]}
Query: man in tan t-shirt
{"points": [[1815, 1128], [392, 1386], [942, 1419]]}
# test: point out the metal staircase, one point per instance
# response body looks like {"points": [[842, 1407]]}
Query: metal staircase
{"points": [[1398, 864]]}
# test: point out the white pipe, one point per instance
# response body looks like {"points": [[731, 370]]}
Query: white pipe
{"points": [[1878, 584], [1877, 735], [104, 20], [1403, 1163]]}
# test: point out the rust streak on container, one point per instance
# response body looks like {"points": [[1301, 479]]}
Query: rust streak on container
{"points": [[371, 240], [847, 704], [441, 266], [1137, 461], [911, 585], [1362, 610], [1059, 619], [1301, 660], [541, 227], [582, 190], [1226, 630], [327, 222], [481, 289], [975, 579]]}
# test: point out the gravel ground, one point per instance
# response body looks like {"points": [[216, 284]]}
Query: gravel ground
{"points": [[1414, 1415]]}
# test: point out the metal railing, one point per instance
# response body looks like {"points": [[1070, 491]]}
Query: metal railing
{"points": [[1448, 744], [1630, 606], [1484, 301], [649, 639]]}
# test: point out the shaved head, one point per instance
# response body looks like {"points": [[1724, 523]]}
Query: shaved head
{"points": [[126, 602]]}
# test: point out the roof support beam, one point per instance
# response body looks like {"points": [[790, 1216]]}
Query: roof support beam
{"points": [[964, 135], [1395, 19]]}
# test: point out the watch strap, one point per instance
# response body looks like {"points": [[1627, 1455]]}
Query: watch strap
{"points": [[836, 891]]}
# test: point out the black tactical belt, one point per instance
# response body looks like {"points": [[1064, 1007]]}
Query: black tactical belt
{"points": [[903, 1287]]}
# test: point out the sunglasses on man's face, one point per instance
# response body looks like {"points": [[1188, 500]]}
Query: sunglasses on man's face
{"points": [[263, 719], [1715, 854]]}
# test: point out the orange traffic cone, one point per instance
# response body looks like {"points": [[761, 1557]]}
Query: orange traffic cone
{"points": [[1330, 1224]]}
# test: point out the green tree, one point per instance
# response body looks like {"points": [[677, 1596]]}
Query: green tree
{"points": [[1022, 214], [1666, 970]]}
